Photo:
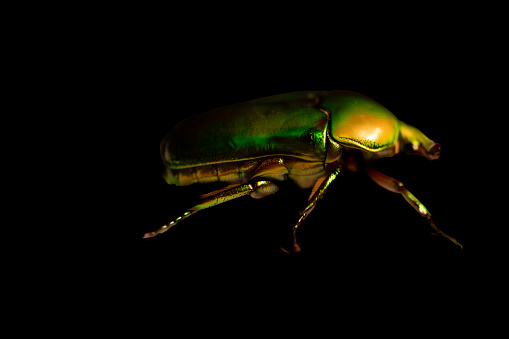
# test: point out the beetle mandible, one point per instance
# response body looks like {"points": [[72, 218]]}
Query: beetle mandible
{"points": [[305, 137]]}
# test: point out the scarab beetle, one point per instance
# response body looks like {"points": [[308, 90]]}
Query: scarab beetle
{"points": [[306, 137]]}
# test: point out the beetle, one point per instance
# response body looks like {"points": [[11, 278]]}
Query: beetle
{"points": [[306, 137]]}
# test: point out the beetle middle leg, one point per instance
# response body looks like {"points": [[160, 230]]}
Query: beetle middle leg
{"points": [[317, 193], [256, 189], [395, 186]]}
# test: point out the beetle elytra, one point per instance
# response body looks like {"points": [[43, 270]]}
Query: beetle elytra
{"points": [[306, 137]]}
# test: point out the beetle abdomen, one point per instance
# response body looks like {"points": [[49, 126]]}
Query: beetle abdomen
{"points": [[232, 173], [303, 173]]}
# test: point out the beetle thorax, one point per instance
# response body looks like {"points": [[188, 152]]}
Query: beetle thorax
{"points": [[362, 123]]}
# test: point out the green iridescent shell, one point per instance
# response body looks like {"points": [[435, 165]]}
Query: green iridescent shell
{"points": [[245, 131], [293, 124]]}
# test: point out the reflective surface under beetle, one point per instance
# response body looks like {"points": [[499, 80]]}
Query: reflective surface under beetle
{"points": [[306, 137]]}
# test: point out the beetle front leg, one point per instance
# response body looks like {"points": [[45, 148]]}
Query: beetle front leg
{"points": [[317, 193], [395, 186]]}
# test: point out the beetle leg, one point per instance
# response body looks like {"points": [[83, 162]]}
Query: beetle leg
{"points": [[317, 193], [256, 189], [395, 186]]}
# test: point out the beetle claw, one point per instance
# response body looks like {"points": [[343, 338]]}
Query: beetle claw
{"points": [[439, 232], [296, 249], [284, 250]]}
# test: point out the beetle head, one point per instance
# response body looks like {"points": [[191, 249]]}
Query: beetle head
{"points": [[413, 141]]}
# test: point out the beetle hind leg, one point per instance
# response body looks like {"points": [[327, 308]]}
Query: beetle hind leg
{"points": [[257, 189], [164, 228]]}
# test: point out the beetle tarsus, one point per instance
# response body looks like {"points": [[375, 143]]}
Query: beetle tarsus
{"points": [[257, 190], [439, 232], [296, 249], [160, 230], [284, 250], [164, 228]]}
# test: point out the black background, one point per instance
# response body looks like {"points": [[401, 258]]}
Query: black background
{"points": [[357, 219], [361, 240], [103, 86]]}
